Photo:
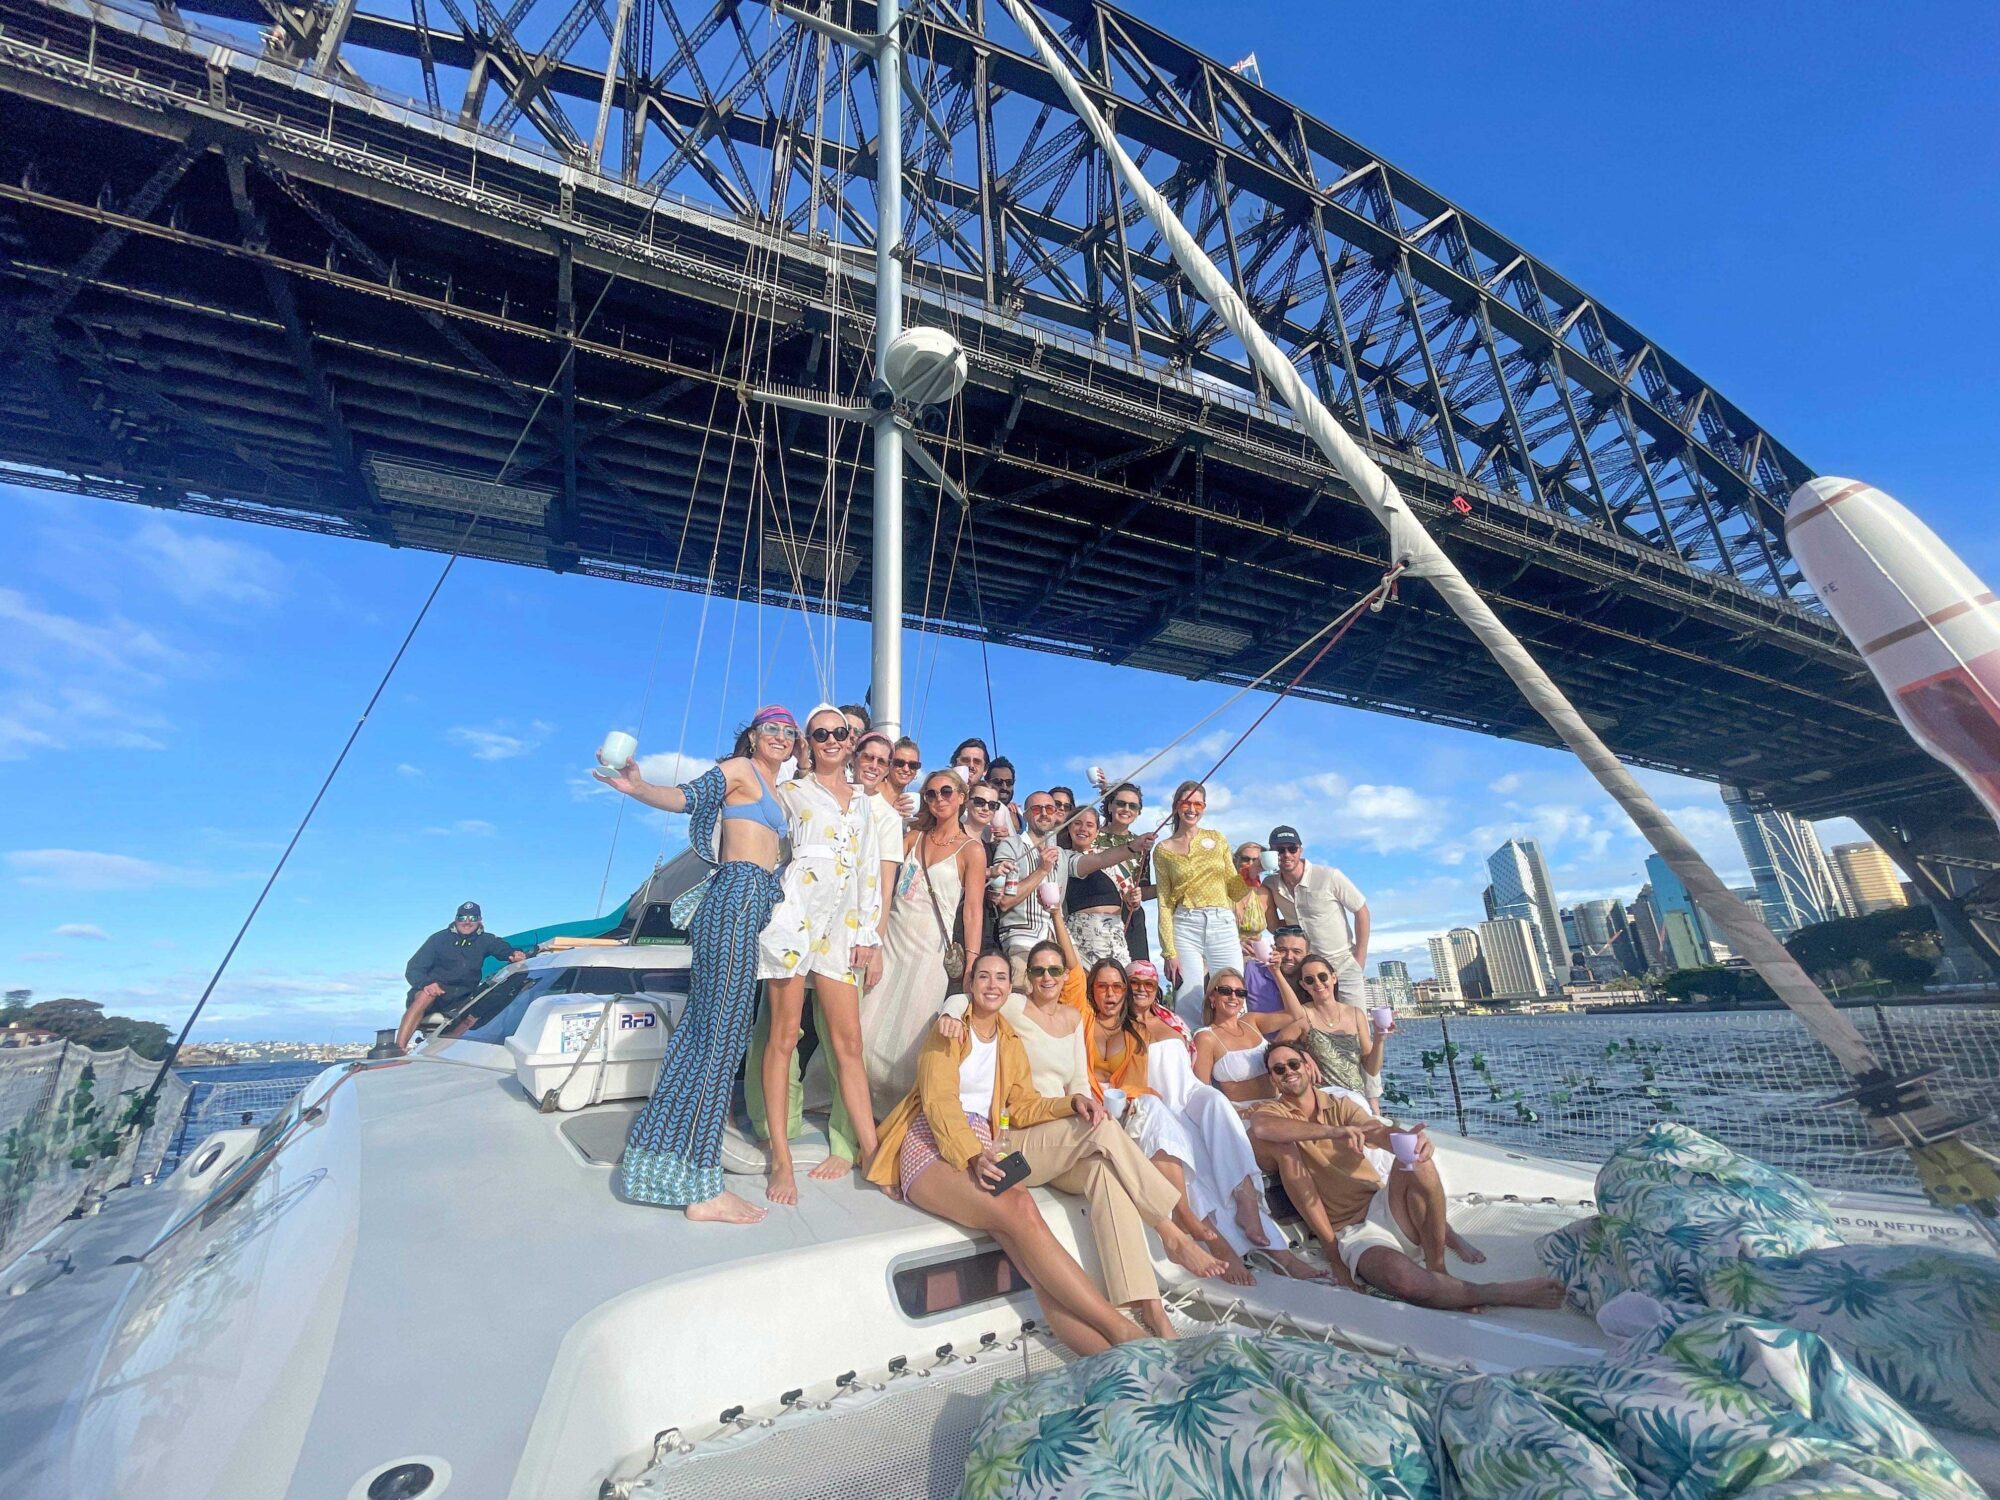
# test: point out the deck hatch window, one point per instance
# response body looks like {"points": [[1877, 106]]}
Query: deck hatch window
{"points": [[942, 1286]]}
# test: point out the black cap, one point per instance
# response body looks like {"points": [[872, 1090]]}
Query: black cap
{"points": [[468, 909], [1284, 836]]}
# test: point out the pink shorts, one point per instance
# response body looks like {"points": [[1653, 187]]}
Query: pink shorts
{"points": [[920, 1151]]}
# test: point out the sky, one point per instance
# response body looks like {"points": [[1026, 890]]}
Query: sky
{"points": [[1795, 200]]}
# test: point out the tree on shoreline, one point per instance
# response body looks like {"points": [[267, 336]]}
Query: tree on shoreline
{"points": [[85, 1023]]}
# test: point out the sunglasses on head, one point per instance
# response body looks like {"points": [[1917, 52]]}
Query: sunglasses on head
{"points": [[907, 765], [942, 793], [1045, 971], [1231, 989], [839, 734], [1288, 1067], [986, 804]]}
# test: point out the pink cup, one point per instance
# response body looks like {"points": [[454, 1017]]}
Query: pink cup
{"points": [[1049, 894], [1404, 1144], [1261, 947], [1385, 1018]]}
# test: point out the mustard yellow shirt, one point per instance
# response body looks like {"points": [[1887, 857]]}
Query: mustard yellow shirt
{"points": [[1203, 877]]}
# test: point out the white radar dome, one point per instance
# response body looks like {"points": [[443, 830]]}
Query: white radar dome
{"points": [[924, 366]]}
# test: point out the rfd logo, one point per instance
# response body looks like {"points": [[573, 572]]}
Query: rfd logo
{"points": [[636, 1020]]}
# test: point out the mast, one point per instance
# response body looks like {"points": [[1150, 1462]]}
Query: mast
{"points": [[885, 607]]}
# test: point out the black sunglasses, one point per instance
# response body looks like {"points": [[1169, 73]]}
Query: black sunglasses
{"points": [[1320, 978], [1290, 1067], [907, 765], [985, 804], [1124, 804], [1065, 805], [1045, 971], [1231, 989], [839, 734]]}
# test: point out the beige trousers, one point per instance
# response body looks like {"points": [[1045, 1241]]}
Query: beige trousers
{"points": [[1126, 1192]]}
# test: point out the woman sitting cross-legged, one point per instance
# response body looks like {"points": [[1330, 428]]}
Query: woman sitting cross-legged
{"points": [[1126, 1192], [936, 1149]]}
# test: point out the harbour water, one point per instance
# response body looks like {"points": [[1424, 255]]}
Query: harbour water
{"points": [[1563, 1085]]}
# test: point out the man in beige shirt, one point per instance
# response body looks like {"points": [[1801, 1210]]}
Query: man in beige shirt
{"points": [[1320, 1142]]}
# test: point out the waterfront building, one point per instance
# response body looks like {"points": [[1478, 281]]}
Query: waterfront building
{"points": [[1522, 888], [1395, 979], [1444, 966], [1795, 885], [1512, 949], [1870, 877], [1647, 935], [1595, 924], [1684, 933]]}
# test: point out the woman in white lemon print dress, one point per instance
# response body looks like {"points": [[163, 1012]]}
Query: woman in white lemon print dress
{"points": [[824, 927]]}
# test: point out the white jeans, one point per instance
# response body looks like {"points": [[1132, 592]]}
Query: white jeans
{"points": [[1204, 940]]}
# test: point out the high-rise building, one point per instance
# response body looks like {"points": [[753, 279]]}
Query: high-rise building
{"points": [[1594, 925], [1794, 883], [1512, 949], [1871, 878], [1570, 934], [1395, 976], [1684, 933], [1647, 933], [1444, 966], [1522, 888]]}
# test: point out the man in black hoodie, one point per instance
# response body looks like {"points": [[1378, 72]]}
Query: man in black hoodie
{"points": [[446, 969]]}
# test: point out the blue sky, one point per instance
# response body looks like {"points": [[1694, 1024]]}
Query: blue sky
{"points": [[1793, 200]]}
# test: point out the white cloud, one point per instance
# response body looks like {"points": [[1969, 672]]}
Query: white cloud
{"points": [[501, 742], [92, 870], [84, 930], [118, 643], [198, 569], [1506, 785], [406, 769], [1195, 756], [38, 958], [1331, 814], [472, 827]]}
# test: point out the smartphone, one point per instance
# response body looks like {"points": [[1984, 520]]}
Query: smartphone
{"points": [[1013, 1169]]}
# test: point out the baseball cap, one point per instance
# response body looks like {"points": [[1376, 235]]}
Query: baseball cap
{"points": [[1284, 836], [467, 910]]}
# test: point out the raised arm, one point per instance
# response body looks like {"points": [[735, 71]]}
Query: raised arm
{"points": [[632, 783], [1292, 1018], [1090, 861], [1061, 924]]}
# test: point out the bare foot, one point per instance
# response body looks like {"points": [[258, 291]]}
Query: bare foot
{"points": [[1233, 1270], [1297, 1267], [1153, 1318], [831, 1170], [779, 1185], [1130, 1332], [1538, 1291], [1185, 1253], [725, 1208], [1250, 1213], [1463, 1248]]}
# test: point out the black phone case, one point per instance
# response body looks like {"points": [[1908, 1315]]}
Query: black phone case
{"points": [[1013, 1169]]}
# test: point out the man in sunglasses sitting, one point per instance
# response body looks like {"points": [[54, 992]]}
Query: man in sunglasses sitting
{"points": [[1319, 1142]]}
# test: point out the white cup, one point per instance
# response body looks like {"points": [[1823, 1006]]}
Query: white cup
{"points": [[1097, 777], [1114, 1102], [616, 750], [1404, 1144], [1261, 946], [1003, 821], [1268, 861], [1049, 894], [1385, 1018]]}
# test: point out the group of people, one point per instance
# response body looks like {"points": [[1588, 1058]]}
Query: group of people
{"points": [[984, 993]]}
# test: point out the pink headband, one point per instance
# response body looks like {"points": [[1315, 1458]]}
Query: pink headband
{"points": [[773, 713], [1143, 970]]}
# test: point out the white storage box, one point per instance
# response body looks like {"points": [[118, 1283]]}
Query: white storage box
{"points": [[585, 1049]]}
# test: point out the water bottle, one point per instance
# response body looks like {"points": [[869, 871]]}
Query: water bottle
{"points": [[1003, 1137]]}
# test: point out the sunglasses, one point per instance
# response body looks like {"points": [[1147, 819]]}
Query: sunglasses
{"points": [[871, 758], [1290, 1067], [839, 734], [986, 804], [1125, 804], [1036, 809], [1320, 978], [940, 793], [1045, 971], [1065, 807], [1231, 989], [907, 765], [778, 731], [1286, 848]]}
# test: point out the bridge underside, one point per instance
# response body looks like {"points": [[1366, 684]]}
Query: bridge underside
{"points": [[241, 303]]}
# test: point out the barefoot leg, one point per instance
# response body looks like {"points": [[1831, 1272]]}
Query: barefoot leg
{"points": [[725, 1208], [1249, 1203], [1416, 1202], [840, 1015], [786, 998]]}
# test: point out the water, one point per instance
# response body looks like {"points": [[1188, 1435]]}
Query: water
{"points": [[231, 1095], [1576, 1086]]}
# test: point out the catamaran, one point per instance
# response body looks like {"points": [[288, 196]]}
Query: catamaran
{"points": [[418, 1281]]}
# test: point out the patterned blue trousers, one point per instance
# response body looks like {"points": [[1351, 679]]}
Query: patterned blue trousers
{"points": [[674, 1154]]}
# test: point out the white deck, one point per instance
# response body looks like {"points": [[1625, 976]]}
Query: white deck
{"points": [[433, 1269]]}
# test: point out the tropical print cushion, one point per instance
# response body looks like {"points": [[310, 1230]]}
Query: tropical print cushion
{"points": [[1685, 1219], [1708, 1404]]}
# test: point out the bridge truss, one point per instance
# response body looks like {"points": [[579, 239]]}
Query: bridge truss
{"points": [[321, 265]]}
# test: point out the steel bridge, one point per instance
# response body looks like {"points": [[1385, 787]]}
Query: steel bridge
{"points": [[323, 266]]}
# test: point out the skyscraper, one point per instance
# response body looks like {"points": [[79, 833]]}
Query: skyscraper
{"points": [[1870, 876], [1512, 949], [1594, 924], [1444, 965], [1646, 932], [1683, 932], [1795, 885], [1522, 888], [1395, 977]]}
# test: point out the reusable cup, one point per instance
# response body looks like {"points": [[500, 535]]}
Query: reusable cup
{"points": [[617, 750], [1261, 946], [1114, 1102], [1268, 861], [1404, 1144], [1097, 777], [1049, 894], [1385, 1018]]}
